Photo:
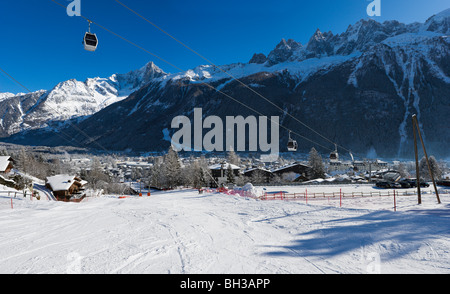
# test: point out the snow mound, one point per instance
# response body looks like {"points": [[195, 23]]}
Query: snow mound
{"points": [[249, 189]]}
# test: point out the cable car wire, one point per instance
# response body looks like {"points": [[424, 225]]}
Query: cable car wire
{"points": [[70, 140], [230, 75], [203, 83]]}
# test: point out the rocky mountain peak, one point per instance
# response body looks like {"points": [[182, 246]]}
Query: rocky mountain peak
{"points": [[438, 23], [283, 51], [319, 44], [258, 58]]}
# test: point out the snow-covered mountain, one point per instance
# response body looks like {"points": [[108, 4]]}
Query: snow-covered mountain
{"points": [[358, 88], [4, 96], [68, 100]]}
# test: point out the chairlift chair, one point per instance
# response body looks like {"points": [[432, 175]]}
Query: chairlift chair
{"points": [[90, 40]]}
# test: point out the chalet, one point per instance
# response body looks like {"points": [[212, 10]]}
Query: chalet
{"points": [[390, 175], [6, 164], [261, 173], [301, 178], [296, 168], [219, 172], [66, 187]]}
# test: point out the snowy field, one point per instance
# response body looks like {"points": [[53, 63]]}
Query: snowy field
{"points": [[184, 232]]}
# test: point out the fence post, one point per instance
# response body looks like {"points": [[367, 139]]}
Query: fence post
{"points": [[11, 203], [306, 195], [340, 197], [395, 206]]}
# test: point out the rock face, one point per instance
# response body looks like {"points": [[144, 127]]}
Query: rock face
{"points": [[358, 89], [258, 58], [68, 100]]}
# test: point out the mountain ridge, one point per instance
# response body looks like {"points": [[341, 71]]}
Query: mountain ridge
{"points": [[398, 69], [69, 100]]}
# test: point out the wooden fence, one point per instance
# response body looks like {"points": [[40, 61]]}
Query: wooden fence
{"points": [[323, 195], [327, 195], [15, 194]]}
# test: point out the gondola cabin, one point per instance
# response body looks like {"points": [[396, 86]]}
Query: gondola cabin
{"points": [[334, 156], [292, 145], [90, 42]]}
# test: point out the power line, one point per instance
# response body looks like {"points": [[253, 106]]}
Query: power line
{"points": [[202, 83], [230, 75]]}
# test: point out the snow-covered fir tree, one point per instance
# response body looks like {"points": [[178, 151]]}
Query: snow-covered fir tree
{"points": [[316, 163], [172, 168], [230, 175], [434, 167]]}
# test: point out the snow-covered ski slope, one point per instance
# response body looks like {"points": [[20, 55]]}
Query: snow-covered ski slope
{"points": [[185, 232]]}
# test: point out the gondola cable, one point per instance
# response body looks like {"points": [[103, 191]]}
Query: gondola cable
{"points": [[230, 75], [203, 83], [60, 133]]}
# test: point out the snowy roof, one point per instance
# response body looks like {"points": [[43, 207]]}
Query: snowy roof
{"points": [[62, 182], [288, 166], [257, 168], [224, 166], [4, 162]]}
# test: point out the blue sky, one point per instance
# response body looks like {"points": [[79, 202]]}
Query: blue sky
{"points": [[41, 44]]}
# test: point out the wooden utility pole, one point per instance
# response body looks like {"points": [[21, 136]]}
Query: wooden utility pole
{"points": [[419, 197], [416, 124]]}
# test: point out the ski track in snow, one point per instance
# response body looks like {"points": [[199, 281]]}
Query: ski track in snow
{"points": [[182, 232]]}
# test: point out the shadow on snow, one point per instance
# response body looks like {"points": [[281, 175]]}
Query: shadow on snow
{"points": [[391, 234]]}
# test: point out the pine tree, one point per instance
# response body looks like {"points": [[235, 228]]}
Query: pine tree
{"points": [[204, 176], [155, 176], [233, 158], [316, 164], [172, 168], [197, 175], [230, 175]]}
